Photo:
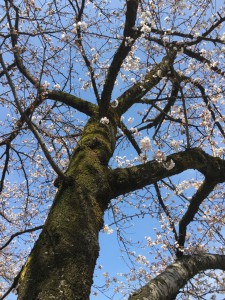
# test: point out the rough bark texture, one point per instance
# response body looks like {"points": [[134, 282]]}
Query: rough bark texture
{"points": [[167, 285], [62, 262]]}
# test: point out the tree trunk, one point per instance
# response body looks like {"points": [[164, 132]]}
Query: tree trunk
{"points": [[62, 262]]}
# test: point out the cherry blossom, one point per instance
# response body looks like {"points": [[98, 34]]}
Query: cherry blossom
{"points": [[75, 76]]}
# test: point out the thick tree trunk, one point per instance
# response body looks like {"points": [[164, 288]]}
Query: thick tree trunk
{"points": [[62, 262], [167, 285]]}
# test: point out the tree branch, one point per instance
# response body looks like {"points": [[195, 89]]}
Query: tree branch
{"points": [[158, 120], [205, 98], [130, 137], [134, 178], [204, 190], [120, 55], [16, 49], [6, 153], [166, 210], [18, 234], [82, 105], [141, 88], [9, 68], [167, 285], [204, 60], [30, 124]]}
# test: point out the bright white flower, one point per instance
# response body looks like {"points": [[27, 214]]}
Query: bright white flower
{"points": [[145, 28], [169, 165], [45, 85], [141, 259], [107, 230], [57, 86], [115, 103], [145, 143], [64, 37], [79, 25], [104, 121]]}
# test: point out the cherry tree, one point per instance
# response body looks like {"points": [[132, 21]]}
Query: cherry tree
{"points": [[112, 108]]}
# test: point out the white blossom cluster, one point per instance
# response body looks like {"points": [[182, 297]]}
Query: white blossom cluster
{"points": [[52, 51], [79, 25], [107, 230], [104, 121], [145, 143]]}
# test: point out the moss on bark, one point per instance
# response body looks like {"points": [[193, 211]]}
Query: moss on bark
{"points": [[62, 262]]}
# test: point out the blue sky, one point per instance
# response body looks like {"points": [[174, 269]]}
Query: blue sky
{"points": [[111, 258]]}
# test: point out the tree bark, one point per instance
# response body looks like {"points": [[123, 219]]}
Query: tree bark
{"points": [[167, 285], [62, 262], [136, 177]]}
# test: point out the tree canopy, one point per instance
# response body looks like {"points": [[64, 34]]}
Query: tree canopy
{"points": [[115, 110]]}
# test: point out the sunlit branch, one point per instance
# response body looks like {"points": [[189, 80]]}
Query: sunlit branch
{"points": [[153, 102], [126, 180], [19, 124], [167, 285], [157, 121], [24, 171], [79, 43], [44, 149], [80, 9], [164, 113], [208, 31]]}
